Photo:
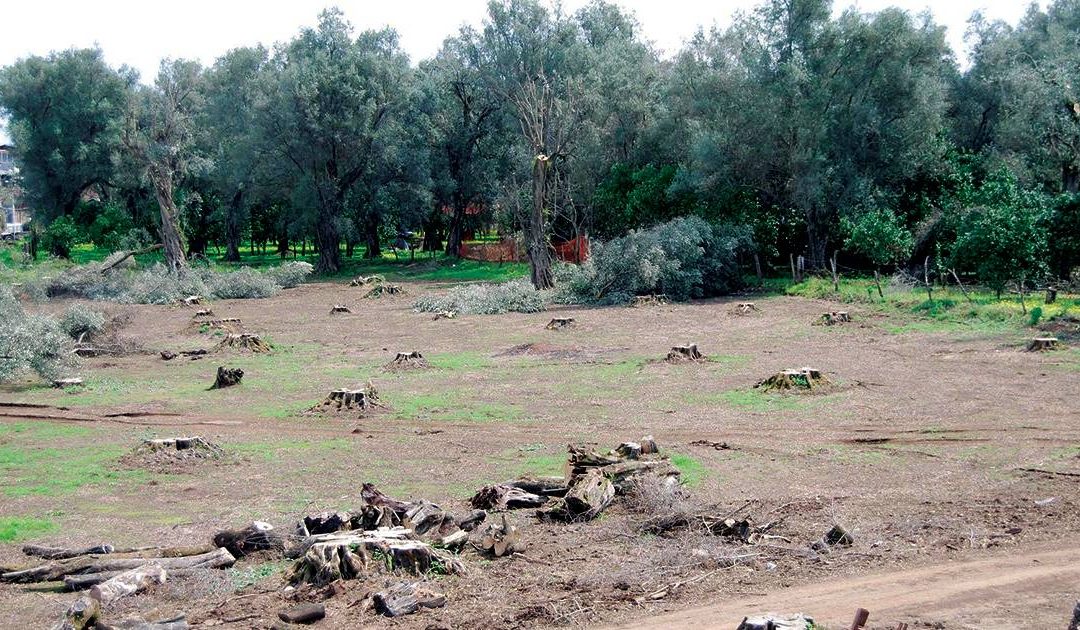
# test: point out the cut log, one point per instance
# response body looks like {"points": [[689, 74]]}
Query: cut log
{"points": [[82, 565], [339, 308], [444, 315], [501, 539], [588, 495], [83, 613], [198, 353], [453, 541], [258, 536], [340, 556], [680, 354], [304, 613], [504, 497], [835, 317], [227, 377], [559, 323], [648, 300], [64, 383], [206, 312], [777, 622], [128, 583], [745, 308], [407, 361], [61, 553], [471, 520], [1042, 344], [243, 341], [122, 255], [405, 598], [802, 379], [543, 486]]}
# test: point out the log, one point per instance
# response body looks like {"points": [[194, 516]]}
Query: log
{"points": [[82, 613], [167, 355], [688, 352], [559, 323], [837, 535], [407, 361], [454, 541], [1042, 344], [243, 341], [503, 497], [98, 564], [304, 613], [128, 254], [258, 536], [501, 539], [128, 583], [227, 377], [405, 598], [361, 281], [543, 486], [339, 308], [61, 553], [179, 622]]}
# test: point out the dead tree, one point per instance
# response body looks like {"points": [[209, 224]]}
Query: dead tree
{"points": [[227, 377], [682, 354], [243, 341]]}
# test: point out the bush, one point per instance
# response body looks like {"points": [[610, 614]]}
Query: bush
{"points": [[31, 343], [240, 284], [683, 259], [1034, 316], [79, 321], [517, 296], [61, 235], [290, 274]]}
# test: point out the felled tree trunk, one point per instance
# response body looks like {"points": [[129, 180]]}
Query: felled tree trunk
{"points": [[243, 341], [86, 565], [227, 377], [128, 583], [503, 497], [543, 486], [258, 536], [680, 354], [83, 613], [405, 598], [61, 553], [1042, 344]]}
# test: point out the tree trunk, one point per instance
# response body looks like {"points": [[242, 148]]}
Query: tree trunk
{"points": [[170, 227], [232, 228], [327, 238], [535, 237], [457, 231], [1070, 178], [371, 237]]}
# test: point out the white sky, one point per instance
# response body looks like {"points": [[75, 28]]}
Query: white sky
{"points": [[140, 33]]}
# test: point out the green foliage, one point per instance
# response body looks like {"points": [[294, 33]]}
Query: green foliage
{"points": [[60, 236], [31, 343], [16, 529], [692, 472], [111, 227], [79, 321], [485, 299], [1034, 316], [878, 234]]}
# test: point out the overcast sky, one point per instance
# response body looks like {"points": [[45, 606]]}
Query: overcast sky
{"points": [[140, 33]]}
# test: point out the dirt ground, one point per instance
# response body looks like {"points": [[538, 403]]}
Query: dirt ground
{"points": [[951, 455]]}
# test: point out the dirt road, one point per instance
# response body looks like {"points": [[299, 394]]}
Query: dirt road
{"points": [[1037, 589]]}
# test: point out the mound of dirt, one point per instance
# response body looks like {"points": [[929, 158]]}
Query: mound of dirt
{"points": [[546, 351], [173, 455]]}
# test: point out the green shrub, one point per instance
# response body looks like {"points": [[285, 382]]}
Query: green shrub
{"points": [[240, 284], [485, 299], [79, 321], [61, 235], [31, 343], [290, 274], [1034, 316]]}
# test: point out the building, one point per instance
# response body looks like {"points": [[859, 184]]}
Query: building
{"points": [[16, 215]]}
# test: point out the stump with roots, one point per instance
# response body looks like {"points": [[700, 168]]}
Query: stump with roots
{"points": [[444, 315], [227, 377], [243, 341], [227, 324], [648, 300], [192, 300], [681, 354], [745, 308], [339, 308], [348, 400], [1042, 344], [407, 361], [194, 447], [349, 555], [206, 312], [384, 288], [363, 281], [559, 323], [806, 379], [835, 317]]}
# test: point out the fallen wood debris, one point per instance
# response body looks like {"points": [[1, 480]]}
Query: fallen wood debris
{"points": [[361, 281], [376, 286], [85, 565], [243, 341], [128, 583], [833, 318], [777, 622], [227, 377], [807, 379], [720, 446], [64, 383], [258, 536], [339, 308], [304, 613], [404, 598], [192, 300], [1042, 344], [589, 493], [683, 354], [634, 450], [407, 361], [560, 323], [206, 312], [61, 553], [443, 315], [745, 308], [198, 353], [648, 300], [505, 497], [501, 539], [543, 486]]}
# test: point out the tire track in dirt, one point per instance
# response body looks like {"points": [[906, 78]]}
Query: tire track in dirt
{"points": [[1035, 589]]}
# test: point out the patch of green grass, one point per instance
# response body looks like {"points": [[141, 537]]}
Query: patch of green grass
{"points": [[459, 360], [729, 359], [273, 450], [692, 471], [451, 406], [28, 471], [752, 400], [614, 371], [43, 430], [249, 576], [15, 529], [541, 466]]}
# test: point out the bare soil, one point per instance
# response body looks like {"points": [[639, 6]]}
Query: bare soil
{"points": [[946, 450]]}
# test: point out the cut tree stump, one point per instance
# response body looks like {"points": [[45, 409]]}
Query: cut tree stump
{"points": [[444, 315], [681, 354], [504, 497], [192, 300], [559, 323], [407, 361], [1042, 344], [83, 613], [835, 317], [405, 598], [63, 383], [227, 377], [648, 300], [588, 495], [243, 341], [634, 450], [348, 400], [340, 308], [258, 536], [207, 450], [326, 523], [501, 539], [128, 583], [332, 557], [802, 379], [777, 622], [745, 308], [206, 312], [380, 288]]}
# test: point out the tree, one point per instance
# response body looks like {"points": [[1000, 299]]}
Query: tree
{"points": [[161, 135], [66, 112], [879, 234]]}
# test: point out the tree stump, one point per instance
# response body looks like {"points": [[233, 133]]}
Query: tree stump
{"points": [[745, 308], [339, 556], [347, 400], [634, 450], [588, 495], [192, 300], [444, 315], [835, 317], [504, 497], [327, 523], [227, 324], [64, 383], [1042, 344], [802, 379], [258, 536], [206, 312], [243, 341], [648, 300], [340, 308], [501, 539], [559, 323], [407, 361], [1051, 295], [681, 354], [83, 613], [227, 377], [128, 583], [405, 598]]}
